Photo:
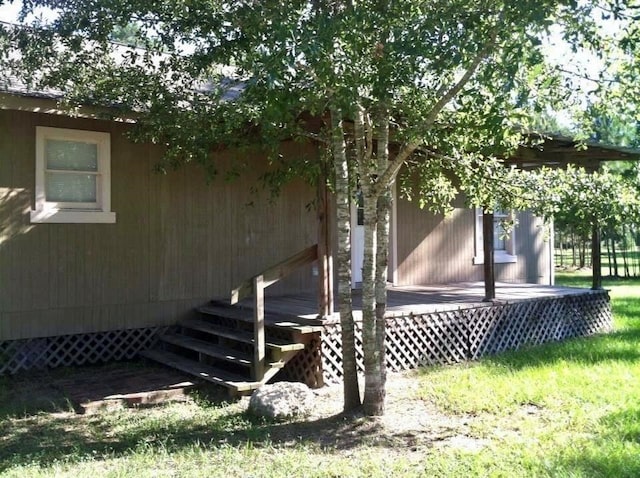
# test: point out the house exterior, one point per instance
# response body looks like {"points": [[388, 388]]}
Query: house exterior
{"points": [[94, 242]]}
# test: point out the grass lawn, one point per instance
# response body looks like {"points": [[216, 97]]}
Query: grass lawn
{"points": [[561, 410]]}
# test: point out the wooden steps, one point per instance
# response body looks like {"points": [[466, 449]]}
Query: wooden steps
{"points": [[238, 335], [237, 383], [217, 346], [215, 351], [300, 324]]}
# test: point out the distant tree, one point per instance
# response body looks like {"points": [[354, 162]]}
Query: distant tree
{"points": [[127, 34]]}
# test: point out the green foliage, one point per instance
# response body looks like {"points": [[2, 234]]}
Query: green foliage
{"points": [[286, 59], [576, 198]]}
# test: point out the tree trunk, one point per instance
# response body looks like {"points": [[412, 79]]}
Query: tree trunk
{"points": [[343, 212], [561, 251], [606, 241], [573, 249], [614, 255], [596, 255], [625, 255], [382, 254], [632, 251], [373, 384]]}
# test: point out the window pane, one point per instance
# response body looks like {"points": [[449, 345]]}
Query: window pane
{"points": [[61, 187], [499, 239], [71, 155]]}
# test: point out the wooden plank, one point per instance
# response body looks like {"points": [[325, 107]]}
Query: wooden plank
{"points": [[273, 274], [239, 335], [203, 371], [212, 350], [488, 249], [325, 260], [299, 324], [258, 329], [219, 331]]}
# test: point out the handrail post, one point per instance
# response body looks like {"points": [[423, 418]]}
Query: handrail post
{"points": [[258, 328]]}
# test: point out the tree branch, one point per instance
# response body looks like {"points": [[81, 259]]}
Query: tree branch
{"points": [[407, 150]]}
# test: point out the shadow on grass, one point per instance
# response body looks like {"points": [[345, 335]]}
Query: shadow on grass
{"points": [[43, 440]]}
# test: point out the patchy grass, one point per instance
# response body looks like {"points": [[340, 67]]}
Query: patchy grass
{"points": [[561, 410], [567, 409]]}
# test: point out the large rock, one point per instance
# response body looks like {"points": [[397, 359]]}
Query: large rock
{"points": [[281, 400]]}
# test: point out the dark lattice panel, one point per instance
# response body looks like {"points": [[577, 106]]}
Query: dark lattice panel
{"points": [[306, 365], [332, 351], [533, 322], [467, 334], [78, 349]]}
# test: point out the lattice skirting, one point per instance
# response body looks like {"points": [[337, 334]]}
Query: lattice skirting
{"points": [[306, 365], [78, 349], [469, 333]]}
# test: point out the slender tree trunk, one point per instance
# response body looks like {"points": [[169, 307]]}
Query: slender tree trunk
{"points": [[561, 251], [596, 255], [634, 257], [373, 385], [606, 241], [343, 200], [382, 255], [614, 255], [625, 255], [573, 249]]}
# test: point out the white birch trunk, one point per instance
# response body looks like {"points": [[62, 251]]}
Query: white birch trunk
{"points": [[343, 212], [382, 253], [374, 383]]}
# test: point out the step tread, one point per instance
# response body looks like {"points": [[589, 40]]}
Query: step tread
{"points": [[202, 371], [213, 350], [271, 319], [239, 335]]}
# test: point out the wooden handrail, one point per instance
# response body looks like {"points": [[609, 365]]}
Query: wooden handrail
{"points": [[275, 273], [256, 286]]}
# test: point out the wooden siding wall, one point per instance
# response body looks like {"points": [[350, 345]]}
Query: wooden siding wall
{"points": [[177, 242], [433, 249]]}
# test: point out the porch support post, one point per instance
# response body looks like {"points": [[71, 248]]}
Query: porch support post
{"points": [[325, 256], [258, 329], [596, 258], [487, 245]]}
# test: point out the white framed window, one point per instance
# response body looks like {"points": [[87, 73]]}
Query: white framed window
{"points": [[73, 176], [504, 250]]}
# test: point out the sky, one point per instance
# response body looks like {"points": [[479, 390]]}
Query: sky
{"points": [[9, 11], [556, 50]]}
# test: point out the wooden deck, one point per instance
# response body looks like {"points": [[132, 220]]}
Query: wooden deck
{"points": [[423, 299]]}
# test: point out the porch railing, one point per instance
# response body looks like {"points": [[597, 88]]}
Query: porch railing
{"points": [[255, 286]]}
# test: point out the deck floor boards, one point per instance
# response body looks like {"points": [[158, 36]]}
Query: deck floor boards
{"points": [[423, 299]]}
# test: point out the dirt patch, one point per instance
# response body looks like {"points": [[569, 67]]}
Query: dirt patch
{"points": [[92, 388], [410, 424]]}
